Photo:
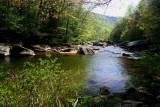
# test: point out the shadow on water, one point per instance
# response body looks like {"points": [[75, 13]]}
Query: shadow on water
{"points": [[102, 69]]}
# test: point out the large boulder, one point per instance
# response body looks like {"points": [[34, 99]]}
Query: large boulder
{"points": [[40, 47], [85, 51], [4, 50], [22, 51], [137, 45]]}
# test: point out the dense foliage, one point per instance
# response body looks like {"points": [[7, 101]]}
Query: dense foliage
{"points": [[139, 23], [49, 21], [39, 84]]}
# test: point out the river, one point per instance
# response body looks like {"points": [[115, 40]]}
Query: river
{"points": [[105, 68]]}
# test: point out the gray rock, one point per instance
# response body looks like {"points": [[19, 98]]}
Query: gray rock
{"points": [[22, 51], [95, 48], [66, 50], [98, 43], [85, 51], [131, 103], [40, 47], [139, 45], [4, 50]]}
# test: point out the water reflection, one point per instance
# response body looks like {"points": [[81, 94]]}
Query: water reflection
{"points": [[107, 70]]}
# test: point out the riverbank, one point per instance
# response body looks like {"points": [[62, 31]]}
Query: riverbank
{"points": [[84, 48]]}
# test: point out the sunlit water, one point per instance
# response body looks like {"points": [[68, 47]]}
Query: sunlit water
{"points": [[105, 68]]}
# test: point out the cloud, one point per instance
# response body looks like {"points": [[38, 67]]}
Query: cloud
{"points": [[116, 7]]}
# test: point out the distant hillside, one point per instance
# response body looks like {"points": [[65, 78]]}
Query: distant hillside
{"points": [[111, 20]]}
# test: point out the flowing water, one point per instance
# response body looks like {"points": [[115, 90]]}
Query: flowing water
{"points": [[106, 68]]}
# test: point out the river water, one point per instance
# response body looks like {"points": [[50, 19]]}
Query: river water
{"points": [[105, 68]]}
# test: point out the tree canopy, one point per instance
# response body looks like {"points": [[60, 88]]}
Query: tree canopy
{"points": [[139, 23], [50, 21]]}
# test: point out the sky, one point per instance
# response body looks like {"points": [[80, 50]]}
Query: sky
{"points": [[116, 7]]}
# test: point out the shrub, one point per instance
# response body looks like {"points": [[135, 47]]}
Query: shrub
{"points": [[43, 83]]}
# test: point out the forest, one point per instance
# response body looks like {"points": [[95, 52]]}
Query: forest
{"points": [[141, 22], [50, 22]]}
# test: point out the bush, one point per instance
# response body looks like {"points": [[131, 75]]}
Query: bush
{"points": [[43, 83]]}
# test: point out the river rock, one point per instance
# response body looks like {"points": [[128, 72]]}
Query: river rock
{"points": [[96, 48], [85, 51], [123, 44], [69, 53], [131, 103], [110, 43], [98, 43], [137, 45], [22, 51], [40, 47], [104, 90], [4, 50], [66, 50], [132, 94]]}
